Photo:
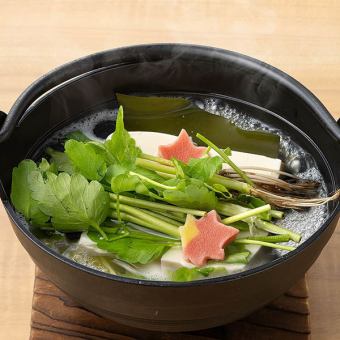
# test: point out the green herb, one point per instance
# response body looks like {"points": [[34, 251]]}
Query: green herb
{"points": [[61, 161], [254, 202], [264, 244], [274, 229], [79, 136], [121, 147], [45, 166], [203, 168], [86, 160], [131, 249], [136, 202], [25, 178], [191, 193], [189, 274], [241, 257], [72, 202]]}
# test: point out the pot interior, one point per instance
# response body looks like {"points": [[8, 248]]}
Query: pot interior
{"points": [[246, 91]]}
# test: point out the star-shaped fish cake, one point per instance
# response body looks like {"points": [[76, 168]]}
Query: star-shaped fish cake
{"points": [[204, 239], [182, 149]]}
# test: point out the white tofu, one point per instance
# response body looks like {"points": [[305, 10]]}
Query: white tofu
{"points": [[91, 247], [173, 259], [149, 142]]}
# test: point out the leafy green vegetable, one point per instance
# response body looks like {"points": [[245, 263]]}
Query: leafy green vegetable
{"points": [[72, 202], [45, 166], [86, 160], [78, 136], [203, 168], [133, 250], [254, 202], [61, 161], [241, 257], [25, 177], [191, 193], [189, 274], [123, 183], [122, 148]]}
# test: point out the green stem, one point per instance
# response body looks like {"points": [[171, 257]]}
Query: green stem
{"points": [[225, 158], [264, 244], [157, 206], [179, 217], [135, 220], [231, 184], [274, 229], [270, 239], [164, 218], [230, 209], [100, 230], [170, 172], [246, 214], [152, 182], [156, 159], [155, 223], [276, 214], [150, 165]]}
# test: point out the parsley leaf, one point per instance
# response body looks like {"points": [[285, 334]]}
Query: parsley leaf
{"points": [[189, 274], [86, 160], [24, 179], [73, 203], [191, 193], [61, 160], [134, 250], [121, 147], [203, 168]]}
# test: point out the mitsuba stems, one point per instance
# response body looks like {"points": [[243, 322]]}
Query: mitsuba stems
{"points": [[271, 238], [272, 228], [246, 214], [156, 223], [265, 244], [155, 206], [170, 170]]}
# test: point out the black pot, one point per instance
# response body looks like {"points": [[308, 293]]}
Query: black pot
{"points": [[72, 90]]}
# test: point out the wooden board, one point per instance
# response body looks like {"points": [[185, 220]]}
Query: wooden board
{"points": [[55, 316]]}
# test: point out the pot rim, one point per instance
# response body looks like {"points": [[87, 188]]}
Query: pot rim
{"points": [[74, 69]]}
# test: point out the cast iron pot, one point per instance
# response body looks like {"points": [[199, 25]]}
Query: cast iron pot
{"points": [[71, 90]]}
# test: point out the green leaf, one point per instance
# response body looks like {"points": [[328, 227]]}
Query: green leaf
{"points": [[78, 136], [123, 183], [24, 178], [189, 274], [73, 203], [45, 166], [85, 159], [61, 161], [203, 168], [241, 257], [131, 249], [121, 147], [191, 194], [254, 202]]}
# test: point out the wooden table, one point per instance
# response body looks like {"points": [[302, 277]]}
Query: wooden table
{"points": [[299, 37]]}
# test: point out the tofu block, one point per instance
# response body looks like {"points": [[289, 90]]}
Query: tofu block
{"points": [[149, 141]]}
